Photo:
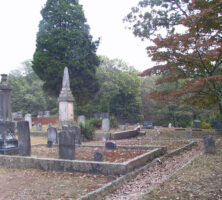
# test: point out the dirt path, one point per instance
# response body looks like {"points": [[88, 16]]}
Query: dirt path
{"points": [[153, 176]]}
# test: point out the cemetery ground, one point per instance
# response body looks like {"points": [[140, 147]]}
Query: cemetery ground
{"points": [[188, 175]]}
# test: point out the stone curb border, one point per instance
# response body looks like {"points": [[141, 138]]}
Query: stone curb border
{"points": [[170, 175], [106, 168], [109, 187]]}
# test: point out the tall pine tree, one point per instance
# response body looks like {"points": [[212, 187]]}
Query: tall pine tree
{"points": [[64, 40]]}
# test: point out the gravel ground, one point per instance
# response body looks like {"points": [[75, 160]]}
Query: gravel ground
{"points": [[153, 176]]}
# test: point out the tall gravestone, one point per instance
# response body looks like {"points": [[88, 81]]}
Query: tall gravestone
{"points": [[197, 124], [76, 131], [24, 141], [67, 145], [105, 125], [8, 142], [105, 128], [66, 99], [52, 135]]}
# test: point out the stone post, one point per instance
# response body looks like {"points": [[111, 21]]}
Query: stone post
{"points": [[24, 142]]}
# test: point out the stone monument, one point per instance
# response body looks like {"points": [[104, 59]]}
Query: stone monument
{"points": [[66, 99], [8, 142]]}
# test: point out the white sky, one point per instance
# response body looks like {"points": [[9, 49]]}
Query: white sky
{"points": [[19, 20]]}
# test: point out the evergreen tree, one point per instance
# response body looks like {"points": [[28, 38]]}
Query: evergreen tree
{"points": [[64, 40]]}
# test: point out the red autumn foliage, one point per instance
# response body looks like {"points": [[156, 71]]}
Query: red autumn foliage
{"points": [[193, 57]]}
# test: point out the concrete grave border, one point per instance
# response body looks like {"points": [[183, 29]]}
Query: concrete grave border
{"points": [[94, 167], [112, 186]]}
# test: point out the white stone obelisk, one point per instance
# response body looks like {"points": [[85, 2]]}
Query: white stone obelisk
{"points": [[66, 99]]}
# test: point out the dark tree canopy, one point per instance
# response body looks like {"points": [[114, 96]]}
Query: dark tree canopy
{"points": [[192, 56], [64, 40]]}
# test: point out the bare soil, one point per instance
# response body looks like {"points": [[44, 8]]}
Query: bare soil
{"points": [[30, 184], [87, 153]]}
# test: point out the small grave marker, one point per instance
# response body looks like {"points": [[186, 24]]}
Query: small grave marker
{"points": [[209, 144], [110, 145], [98, 156]]}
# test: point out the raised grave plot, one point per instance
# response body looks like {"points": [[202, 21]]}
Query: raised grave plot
{"points": [[138, 157], [87, 153]]}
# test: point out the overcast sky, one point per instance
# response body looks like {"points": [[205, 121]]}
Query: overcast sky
{"points": [[19, 21]]}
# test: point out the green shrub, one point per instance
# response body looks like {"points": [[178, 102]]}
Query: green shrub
{"points": [[205, 125], [97, 122], [113, 122], [88, 131]]}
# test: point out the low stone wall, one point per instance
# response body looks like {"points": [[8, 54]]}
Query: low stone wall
{"points": [[106, 168], [125, 134], [112, 186]]}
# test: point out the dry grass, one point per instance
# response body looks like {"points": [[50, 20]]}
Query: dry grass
{"points": [[200, 180]]}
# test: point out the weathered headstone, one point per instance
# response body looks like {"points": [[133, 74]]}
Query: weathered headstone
{"points": [[157, 132], [110, 145], [19, 114], [209, 144], [82, 120], [49, 144], [46, 113], [24, 142], [101, 115], [40, 114], [105, 125], [77, 133], [52, 135], [66, 99], [39, 127], [98, 156], [67, 145], [123, 127], [28, 117], [169, 125], [188, 134], [197, 124]]}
